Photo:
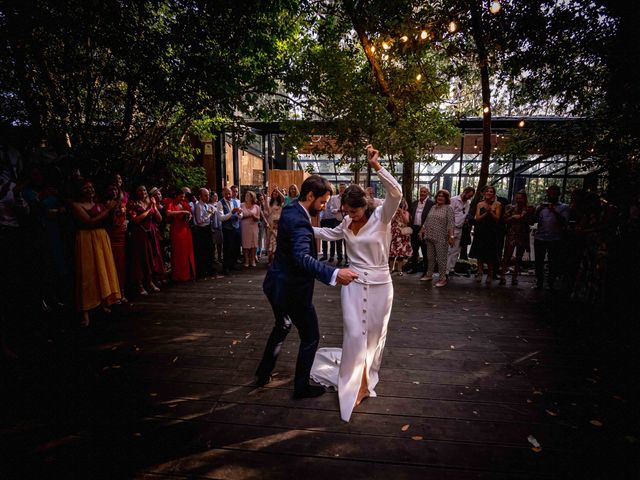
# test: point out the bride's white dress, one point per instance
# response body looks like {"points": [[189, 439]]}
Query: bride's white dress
{"points": [[366, 303]]}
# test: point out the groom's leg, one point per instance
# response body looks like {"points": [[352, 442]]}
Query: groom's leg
{"points": [[280, 331], [306, 321]]}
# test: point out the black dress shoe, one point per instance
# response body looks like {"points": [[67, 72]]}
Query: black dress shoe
{"points": [[311, 391], [262, 380]]}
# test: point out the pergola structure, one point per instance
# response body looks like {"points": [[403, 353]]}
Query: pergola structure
{"points": [[451, 167]]}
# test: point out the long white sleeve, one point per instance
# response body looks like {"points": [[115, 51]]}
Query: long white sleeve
{"points": [[393, 197]]}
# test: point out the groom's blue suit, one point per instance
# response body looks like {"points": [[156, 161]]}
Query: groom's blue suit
{"points": [[289, 287]]}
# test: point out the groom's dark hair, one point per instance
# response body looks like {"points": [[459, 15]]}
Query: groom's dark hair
{"points": [[316, 185]]}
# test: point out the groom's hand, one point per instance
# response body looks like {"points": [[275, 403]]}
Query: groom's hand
{"points": [[345, 276]]}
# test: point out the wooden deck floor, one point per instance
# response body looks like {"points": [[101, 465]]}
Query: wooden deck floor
{"points": [[472, 377]]}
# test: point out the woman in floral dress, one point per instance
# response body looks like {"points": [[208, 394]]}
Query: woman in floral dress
{"points": [[400, 249]]}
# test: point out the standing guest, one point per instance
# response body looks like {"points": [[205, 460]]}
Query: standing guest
{"points": [[250, 211], [203, 240], [460, 204], [400, 240], [216, 229], [15, 280], [419, 211], [230, 218], [293, 194], [437, 232], [117, 230], [335, 204], [163, 238], [518, 218], [235, 200], [146, 255], [96, 274], [274, 209], [328, 220], [183, 266], [486, 231], [553, 218], [262, 226], [117, 180]]}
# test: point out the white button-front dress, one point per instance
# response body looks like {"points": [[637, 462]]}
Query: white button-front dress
{"points": [[366, 303]]}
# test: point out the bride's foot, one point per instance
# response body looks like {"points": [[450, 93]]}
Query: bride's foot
{"points": [[362, 394]]}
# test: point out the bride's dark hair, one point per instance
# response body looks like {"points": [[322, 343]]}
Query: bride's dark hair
{"points": [[356, 197]]}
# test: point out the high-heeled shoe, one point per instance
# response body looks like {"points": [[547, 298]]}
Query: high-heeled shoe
{"points": [[153, 288]]}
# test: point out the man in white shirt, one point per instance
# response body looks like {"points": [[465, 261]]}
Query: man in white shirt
{"points": [[202, 213], [460, 204], [419, 211], [376, 201]]}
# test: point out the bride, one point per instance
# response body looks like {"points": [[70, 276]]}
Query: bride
{"points": [[366, 302]]}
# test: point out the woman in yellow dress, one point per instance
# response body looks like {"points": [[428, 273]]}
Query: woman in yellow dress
{"points": [[96, 275]]}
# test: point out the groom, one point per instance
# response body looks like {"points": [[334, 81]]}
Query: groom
{"points": [[289, 285]]}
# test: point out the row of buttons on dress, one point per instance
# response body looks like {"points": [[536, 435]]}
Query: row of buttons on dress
{"points": [[364, 310]]}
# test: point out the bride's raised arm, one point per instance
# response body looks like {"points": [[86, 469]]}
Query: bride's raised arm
{"points": [[394, 191]]}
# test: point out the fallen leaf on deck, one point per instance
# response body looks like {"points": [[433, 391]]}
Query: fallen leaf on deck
{"points": [[465, 309], [228, 332], [552, 413], [475, 412], [532, 440], [175, 359], [596, 423], [416, 383], [405, 427], [137, 434], [416, 437], [235, 342], [618, 397], [537, 392], [529, 400], [247, 335], [452, 347], [414, 328], [153, 394]]}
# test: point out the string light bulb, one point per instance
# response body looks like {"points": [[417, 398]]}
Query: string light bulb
{"points": [[453, 26], [521, 123], [385, 57], [423, 34], [373, 49], [495, 7], [419, 77], [485, 109], [404, 38], [386, 46]]}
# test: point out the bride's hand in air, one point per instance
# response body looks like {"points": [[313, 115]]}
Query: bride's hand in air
{"points": [[372, 156]]}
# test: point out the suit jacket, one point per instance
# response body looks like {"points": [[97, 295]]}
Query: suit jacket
{"points": [[290, 279], [428, 203]]}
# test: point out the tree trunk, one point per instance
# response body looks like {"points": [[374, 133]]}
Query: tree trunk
{"points": [[483, 62]]}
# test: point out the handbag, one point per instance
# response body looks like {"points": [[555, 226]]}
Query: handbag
{"points": [[406, 230]]}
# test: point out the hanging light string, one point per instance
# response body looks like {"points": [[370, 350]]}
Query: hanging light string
{"points": [[427, 34]]}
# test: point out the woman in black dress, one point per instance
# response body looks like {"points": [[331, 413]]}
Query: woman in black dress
{"points": [[486, 233]]}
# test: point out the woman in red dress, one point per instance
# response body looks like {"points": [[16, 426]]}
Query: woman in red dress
{"points": [[183, 265], [146, 256], [117, 230]]}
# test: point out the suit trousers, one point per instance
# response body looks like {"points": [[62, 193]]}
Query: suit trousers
{"points": [[454, 251], [416, 243], [203, 251], [306, 321], [230, 248], [552, 248]]}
